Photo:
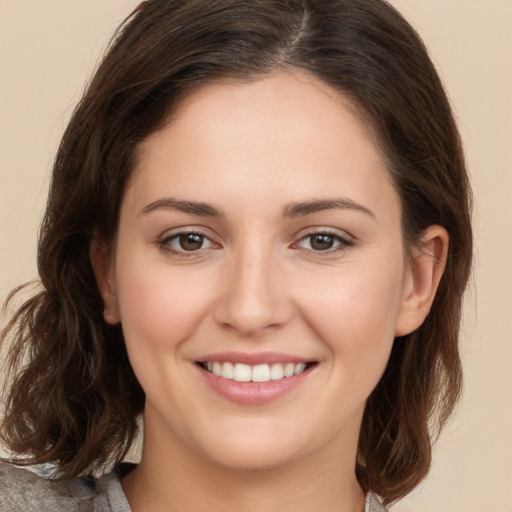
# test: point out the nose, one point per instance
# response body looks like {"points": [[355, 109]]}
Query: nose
{"points": [[253, 300]]}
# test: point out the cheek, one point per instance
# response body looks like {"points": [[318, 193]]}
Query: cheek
{"points": [[159, 306], [354, 311]]}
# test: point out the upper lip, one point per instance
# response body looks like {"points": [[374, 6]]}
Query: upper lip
{"points": [[253, 359]]}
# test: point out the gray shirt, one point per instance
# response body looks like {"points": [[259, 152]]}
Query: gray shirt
{"points": [[24, 491]]}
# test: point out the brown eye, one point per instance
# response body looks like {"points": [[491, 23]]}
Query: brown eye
{"points": [[186, 242], [191, 241], [321, 242], [324, 242]]}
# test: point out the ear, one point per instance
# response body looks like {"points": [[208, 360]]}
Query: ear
{"points": [[423, 273], [103, 268]]}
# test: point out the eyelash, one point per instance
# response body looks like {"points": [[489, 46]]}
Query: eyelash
{"points": [[344, 243], [164, 244]]}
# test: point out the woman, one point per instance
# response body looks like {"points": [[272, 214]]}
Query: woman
{"points": [[258, 237]]}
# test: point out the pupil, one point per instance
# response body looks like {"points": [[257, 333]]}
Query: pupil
{"points": [[322, 242], [191, 242]]}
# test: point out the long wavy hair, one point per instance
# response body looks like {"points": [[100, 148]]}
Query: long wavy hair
{"points": [[72, 397]]}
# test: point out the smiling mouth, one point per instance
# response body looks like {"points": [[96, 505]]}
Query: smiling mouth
{"points": [[258, 373]]}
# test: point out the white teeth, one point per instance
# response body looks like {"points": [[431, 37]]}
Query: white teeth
{"points": [[242, 373], [227, 370], [258, 373], [261, 373], [276, 371], [217, 369], [288, 370], [299, 368]]}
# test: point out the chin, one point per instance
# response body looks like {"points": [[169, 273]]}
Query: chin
{"points": [[252, 457]]}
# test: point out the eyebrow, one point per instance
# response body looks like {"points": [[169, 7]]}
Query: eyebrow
{"points": [[309, 207], [190, 207], [296, 209]]}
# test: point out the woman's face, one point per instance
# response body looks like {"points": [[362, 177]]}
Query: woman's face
{"points": [[260, 235]]}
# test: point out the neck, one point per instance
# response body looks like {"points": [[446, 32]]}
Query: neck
{"points": [[248, 491], [172, 476]]}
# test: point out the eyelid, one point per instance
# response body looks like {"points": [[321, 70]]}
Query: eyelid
{"points": [[345, 239], [164, 241]]}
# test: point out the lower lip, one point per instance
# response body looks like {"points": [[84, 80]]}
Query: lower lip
{"points": [[253, 393]]}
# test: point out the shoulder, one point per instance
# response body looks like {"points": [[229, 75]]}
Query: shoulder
{"points": [[22, 490], [373, 504]]}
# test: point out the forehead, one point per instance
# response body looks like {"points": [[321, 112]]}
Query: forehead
{"points": [[283, 131], [294, 98]]}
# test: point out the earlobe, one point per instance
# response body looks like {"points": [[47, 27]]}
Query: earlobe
{"points": [[103, 270], [425, 269]]}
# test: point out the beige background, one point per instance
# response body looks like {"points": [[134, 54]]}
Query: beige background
{"points": [[49, 47]]}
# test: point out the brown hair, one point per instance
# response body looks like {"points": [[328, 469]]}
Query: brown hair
{"points": [[73, 397]]}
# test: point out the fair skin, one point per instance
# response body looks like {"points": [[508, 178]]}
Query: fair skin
{"points": [[260, 226]]}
